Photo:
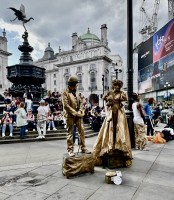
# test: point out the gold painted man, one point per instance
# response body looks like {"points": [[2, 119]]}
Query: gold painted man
{"points": [[73, 108]]}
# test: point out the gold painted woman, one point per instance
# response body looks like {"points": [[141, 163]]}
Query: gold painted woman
{"points": [[113, 141]]}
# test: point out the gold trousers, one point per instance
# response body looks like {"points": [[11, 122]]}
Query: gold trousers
{"points": [[70, 128]]}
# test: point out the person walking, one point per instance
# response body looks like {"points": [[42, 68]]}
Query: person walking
{"points": [[28, 96], [139, 126], [149, 115], [21, 119], [73, 109], [42, 116]]}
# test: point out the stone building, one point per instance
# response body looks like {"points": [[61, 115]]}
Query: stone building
{"points": [[4, 83], [89, 59]]}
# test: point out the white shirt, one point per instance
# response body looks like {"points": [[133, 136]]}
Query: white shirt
{"points": [[42, 110], [103, 113], [137, 117]]}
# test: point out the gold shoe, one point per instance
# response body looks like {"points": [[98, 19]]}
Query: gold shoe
{"points": [[71, 153], [86, 151]]}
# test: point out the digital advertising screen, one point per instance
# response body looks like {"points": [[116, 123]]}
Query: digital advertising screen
{"points": [[156, 60], [145, 54]]}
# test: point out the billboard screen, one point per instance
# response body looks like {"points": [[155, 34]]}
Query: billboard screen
{"points": [[145, 54], [156, 60], [163, 41]]}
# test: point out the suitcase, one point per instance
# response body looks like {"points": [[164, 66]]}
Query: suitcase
{"points": [[78, 164]]}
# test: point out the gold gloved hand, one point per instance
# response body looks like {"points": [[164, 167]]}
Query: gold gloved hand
{"points": [[80, 113]]}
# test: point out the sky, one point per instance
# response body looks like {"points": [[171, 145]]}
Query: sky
{"points": [[56, 20]]}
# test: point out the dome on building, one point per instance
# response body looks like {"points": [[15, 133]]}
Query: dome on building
{"points": [[48, 53], [49, 48], [89, 36]]}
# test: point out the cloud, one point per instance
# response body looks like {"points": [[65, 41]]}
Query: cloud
{"points": [[55, 21]]}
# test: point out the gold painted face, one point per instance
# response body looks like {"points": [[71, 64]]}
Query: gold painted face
{"points": [[116, 88], [73, 87]]}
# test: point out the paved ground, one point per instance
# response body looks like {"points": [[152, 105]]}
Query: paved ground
{"points": [[32, 171]]}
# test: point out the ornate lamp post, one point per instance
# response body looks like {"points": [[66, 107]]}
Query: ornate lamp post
{"points": [[116, 70], [167, 85]]}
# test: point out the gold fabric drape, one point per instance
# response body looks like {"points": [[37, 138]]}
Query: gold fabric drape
{"points": [[114, 133]]}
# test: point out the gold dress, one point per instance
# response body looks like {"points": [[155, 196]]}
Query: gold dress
{"points": [[114, 133]]}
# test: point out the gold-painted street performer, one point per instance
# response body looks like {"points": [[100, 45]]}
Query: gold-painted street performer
{"points": [[74, 112], [114, 133]]}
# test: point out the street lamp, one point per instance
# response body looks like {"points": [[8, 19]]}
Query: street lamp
{"points": [[167, 85], [103, 83], [129, 112], [130, 54], [116, 70]]}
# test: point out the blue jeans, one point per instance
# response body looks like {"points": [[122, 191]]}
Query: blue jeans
{"points": [[149, 127], [4, 128], [51, 124], [22, 132]]}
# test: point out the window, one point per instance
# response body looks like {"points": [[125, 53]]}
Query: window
{"points": [[54, 82], [66, 70], [54, 75], [93, 80], [79, 69], [92, 67], [66, 81], [80, 86]]}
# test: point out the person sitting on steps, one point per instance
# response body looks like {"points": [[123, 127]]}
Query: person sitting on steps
{"points": [[31, 121], [51, 122], [7, 121]]}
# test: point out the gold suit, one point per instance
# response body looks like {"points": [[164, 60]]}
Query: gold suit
{"points": [[72, 107]]}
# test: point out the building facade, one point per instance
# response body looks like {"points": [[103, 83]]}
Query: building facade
{"points": [[4, 83], [89, 59]]}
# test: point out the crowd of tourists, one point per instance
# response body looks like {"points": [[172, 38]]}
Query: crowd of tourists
{"points": [[155, 113], [51, 104]]}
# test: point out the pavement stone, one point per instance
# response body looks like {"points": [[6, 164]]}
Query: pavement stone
{"points": [[34, 171]]}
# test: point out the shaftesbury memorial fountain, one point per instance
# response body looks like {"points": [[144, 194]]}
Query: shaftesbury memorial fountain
{"points": [[25, 75]]}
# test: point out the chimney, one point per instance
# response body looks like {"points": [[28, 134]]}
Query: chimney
{"points": [[104, 39], [74, 39]]}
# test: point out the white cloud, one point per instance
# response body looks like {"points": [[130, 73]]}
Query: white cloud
{"points": [[55, 21], [34, 41]]}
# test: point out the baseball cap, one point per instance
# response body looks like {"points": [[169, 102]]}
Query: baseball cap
{"points": [[42, 101]]}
